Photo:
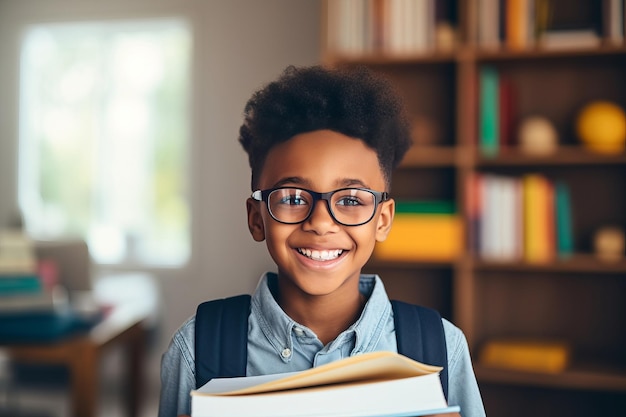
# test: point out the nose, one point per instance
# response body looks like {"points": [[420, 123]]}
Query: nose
{"points": [[320, 220]]}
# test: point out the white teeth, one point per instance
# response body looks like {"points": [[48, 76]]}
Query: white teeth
{"points": [[323, 255]]}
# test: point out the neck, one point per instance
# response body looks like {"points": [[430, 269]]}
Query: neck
{"points": [[326, 315]]}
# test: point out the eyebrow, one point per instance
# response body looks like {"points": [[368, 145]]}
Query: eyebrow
{"points": [[299, 181]]}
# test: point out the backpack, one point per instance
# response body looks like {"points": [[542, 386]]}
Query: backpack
{"points": [[221, 337]]}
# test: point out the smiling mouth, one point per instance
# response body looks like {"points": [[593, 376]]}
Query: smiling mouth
{"points": [[321, 255]]}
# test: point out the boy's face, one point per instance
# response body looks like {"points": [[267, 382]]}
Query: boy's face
{"points": [[320, 161]]}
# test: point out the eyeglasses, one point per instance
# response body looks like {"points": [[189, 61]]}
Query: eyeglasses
{"points": [[347, 206]]}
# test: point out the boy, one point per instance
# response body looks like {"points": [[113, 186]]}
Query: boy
{"points": [[319, 134]]}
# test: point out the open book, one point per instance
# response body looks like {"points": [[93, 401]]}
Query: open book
{"points": [[367, 385]]}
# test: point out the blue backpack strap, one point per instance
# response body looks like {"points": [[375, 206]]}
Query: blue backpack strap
{"points": [[221, 338], [420, 336]]}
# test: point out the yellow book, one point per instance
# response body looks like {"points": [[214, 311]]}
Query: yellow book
{"points": [[526, 355], [537, 241], [517, 35], [431, 237]]}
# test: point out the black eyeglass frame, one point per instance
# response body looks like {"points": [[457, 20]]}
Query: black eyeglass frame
{"points": [[379, 197]]}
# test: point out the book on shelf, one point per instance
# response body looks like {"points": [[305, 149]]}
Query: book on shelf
{"points": [[523, 24], [500, 226], [408, 26], [497, 99], [564, 221], [396, 27], [507, 98], [423, 230], [519, 218], [489, 106], [569, 39], [536, 355], [473, 210], [371, 384], [489, 28], [487, 196], [613, 16], [538, 219], [506, 23], [519, 20]]}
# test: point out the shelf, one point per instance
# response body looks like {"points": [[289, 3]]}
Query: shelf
{"points": [[565, 155], [465, 53], [583, 379], [430, 156], [383, 58], [417, 264], [579, 263], [544, 53]]}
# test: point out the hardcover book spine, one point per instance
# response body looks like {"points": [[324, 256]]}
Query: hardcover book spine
{"points": [[565, 240], [537, 240], [489, 111]]}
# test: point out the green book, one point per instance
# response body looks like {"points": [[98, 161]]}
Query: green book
{"points": [[489, 112], [425, 207], [563, 207]]}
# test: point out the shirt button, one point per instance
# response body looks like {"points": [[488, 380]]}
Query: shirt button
{"points": [[286, 353], [299, 332]]}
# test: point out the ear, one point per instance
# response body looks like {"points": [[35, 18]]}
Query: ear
{"points": [[255, 220], [385, 219]]}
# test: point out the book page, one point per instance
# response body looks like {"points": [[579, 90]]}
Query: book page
{"points": [[382, 365]]}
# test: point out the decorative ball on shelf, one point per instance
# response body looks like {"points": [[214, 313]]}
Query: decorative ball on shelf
{"points": [[537, 136], [609, 243], [445, 37], [601, 127]]}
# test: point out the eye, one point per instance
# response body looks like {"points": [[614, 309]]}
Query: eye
{"points": [[349, 201], [293, 200]]}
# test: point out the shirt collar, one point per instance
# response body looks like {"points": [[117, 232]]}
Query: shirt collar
{"points": [[365, 333]]}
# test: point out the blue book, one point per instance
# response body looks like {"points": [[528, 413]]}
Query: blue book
{"points": [[447, 410], [43, 326], [19, 284]]}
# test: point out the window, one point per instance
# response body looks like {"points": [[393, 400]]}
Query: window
{"points": [[104, 136]]}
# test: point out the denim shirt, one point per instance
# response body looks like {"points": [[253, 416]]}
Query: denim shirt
{"points": [[277, 344]]}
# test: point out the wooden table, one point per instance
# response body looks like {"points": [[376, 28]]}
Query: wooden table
{"points": [[123, 325]]}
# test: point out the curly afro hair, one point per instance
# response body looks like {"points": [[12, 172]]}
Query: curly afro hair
{"points": [[354, 102]]}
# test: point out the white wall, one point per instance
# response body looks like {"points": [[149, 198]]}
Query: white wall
{"points": [[238, 46]]}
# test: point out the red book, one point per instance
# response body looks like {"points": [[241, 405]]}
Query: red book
{"points": [[473, 210]]}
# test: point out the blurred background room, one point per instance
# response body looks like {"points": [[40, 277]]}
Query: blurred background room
{"points": [[123, 186]]}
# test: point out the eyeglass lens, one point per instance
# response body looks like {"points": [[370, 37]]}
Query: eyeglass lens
{"points": [[347, 206]]}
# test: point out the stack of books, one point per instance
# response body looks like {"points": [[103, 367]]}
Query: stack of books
{"points": [[367, 385], [424, 230], [22, 288], [34, 307]]}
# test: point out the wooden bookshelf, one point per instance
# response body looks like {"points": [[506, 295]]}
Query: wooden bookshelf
{"points": [[578, 298], [576, 379]]}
